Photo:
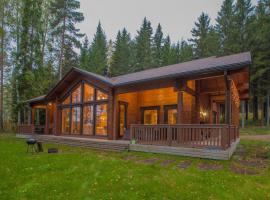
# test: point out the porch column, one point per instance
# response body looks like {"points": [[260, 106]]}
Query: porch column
{"points": [[197, 102], [115, 116], [29, 115], [46, 131], [179, 107], [227, 99], [110, 116]]}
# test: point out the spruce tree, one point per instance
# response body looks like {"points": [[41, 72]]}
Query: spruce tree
{"points": [[144, 55], [65, 33], [84, 56], [121, 56], [243, 16], [204, 37], [186, 52], [98, 52], [166, 52], [157, 46], [226, 27]]}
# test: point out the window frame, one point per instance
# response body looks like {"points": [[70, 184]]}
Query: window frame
{"points": [[143, 109], [166, 108], [81, 104]]}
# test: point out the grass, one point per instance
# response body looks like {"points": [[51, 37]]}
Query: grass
{"points": [[77, 173], [254, 130]]}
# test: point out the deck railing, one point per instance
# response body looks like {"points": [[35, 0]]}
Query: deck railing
{"points": [[190, 135], [26, 129]]}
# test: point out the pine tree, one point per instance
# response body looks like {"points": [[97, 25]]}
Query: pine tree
{"points": [[65, 33], [204, 37], [121, 56], [84, 56], [243, 15], [166, 52], [186, 52], [157, 46], [226, 27], [98, 52], [144, 55]]}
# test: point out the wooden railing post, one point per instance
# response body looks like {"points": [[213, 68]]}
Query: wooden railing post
{"points": [[169, 135]]}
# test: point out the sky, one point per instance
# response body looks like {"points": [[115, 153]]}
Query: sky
{"points": [[177, 17]]}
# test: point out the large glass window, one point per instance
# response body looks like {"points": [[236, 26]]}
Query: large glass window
{"points": [[170, 114], [88, 93], [101, 119], [76, 95], [65, 120], [90, 110], [76, 120], [150, 115], [88, 120], [101, 95]]}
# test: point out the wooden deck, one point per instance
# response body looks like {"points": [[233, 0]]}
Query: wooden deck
{"points": [[124, 145]]}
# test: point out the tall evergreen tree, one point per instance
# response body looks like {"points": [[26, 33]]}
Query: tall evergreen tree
{"points": [[144, 55], [166, 52], [226, 27], [157, 46], [84, 56], [98, 52], [243, 15], [65, 33], [186, 52], [204, 37], [121, 56]]}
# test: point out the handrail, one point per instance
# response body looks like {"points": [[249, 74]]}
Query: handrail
{"points": [[192, 135]]}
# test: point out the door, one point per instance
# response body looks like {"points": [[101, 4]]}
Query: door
{"points": [[122, 118]]}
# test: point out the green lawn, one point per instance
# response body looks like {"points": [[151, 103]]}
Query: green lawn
{"points": [[254, 130], [77, 173]]}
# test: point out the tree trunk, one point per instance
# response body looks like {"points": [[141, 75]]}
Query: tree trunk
{"points": [[246, 109], [267, 108], [255, 108], [262, 112], [62, 46], [2, 71]]}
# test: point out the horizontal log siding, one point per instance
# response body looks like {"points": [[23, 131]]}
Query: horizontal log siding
{"points": [[216, 136]]}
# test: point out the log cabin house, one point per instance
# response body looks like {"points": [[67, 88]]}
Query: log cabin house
{"points": [[190, 105]]}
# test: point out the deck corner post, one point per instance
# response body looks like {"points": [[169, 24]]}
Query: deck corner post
{"points": [[180, 107]]}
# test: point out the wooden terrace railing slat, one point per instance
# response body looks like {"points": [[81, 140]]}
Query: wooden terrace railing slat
{"points": [[191, 135]]}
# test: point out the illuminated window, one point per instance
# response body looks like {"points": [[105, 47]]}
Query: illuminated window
{"points": [[65, 121], [76, 120], [101, 119], [150, 115], [67, 100], [101, 95], [76, 95], [88, 93], [88, 120], [170, 114]]}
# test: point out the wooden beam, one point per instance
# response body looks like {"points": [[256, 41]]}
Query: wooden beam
{"points": [[179, 107], [181, 85], [197, 101], [227, 98]]}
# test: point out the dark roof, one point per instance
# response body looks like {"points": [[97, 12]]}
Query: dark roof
{"points": [[199, 66], [195, 67], [36, 99]]}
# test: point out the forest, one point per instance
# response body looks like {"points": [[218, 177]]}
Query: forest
{"points": [[39, 43]]}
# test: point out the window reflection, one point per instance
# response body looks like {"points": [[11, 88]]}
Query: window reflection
{"points": [[88, 120], [101, 95], [88, 93], [76, 95], [101, 119], [172, 116], [65, 121], [76, 119], [150, 117]]}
